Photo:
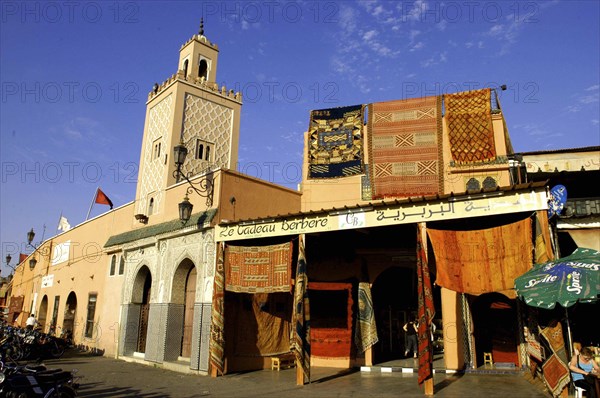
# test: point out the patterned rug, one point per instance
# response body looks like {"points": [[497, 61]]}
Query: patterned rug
{"points": [[554, 370], [217, 329], [365, 335], [426, 308], [473, 262], [301, 318], [556, 375], [469, 121], [405, 143], [258, 269], [335, 142]]}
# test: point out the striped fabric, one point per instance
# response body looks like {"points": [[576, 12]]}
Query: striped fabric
{"points": [[301, 337], [426, 308], [217, 331]]}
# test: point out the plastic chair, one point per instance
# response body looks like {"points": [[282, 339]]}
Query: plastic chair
{"points": [[579, 392]]}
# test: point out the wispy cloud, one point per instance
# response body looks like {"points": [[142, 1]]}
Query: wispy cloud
{"points": [[439, 58]]}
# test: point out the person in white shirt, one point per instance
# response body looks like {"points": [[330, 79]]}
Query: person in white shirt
{"points": [[31, 322]]}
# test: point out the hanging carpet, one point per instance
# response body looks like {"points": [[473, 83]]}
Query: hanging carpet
{"points": [[482, 261], [335, 142], [258, 269], [554, 370], [469, 122], [405, 143]]}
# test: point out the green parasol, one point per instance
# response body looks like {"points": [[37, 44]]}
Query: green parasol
{"points": [[564, 281]]}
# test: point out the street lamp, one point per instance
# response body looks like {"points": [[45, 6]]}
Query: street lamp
{"points": [[203, 187], [32, 260]]}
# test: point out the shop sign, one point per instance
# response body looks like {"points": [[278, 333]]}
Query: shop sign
{"points": [[494, 203]]}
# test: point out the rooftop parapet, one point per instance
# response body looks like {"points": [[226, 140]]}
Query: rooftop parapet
{"points": [[199, 82]]}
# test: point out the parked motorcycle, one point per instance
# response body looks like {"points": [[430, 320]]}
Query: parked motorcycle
{"points": [[24, 381]]}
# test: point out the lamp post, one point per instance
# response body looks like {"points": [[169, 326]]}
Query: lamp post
{"points": [[203, 187], [30, 236]]}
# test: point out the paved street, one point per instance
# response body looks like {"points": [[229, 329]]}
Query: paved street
{"points": [[106, 377]]}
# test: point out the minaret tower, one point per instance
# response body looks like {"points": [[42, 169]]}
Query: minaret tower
{"points": [[190, 108]]}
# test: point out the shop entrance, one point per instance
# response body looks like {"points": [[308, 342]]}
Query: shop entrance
{"points": [[394, 298], [495, 328]]}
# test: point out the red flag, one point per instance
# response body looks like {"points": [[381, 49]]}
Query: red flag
{"points": [[102, 199], [22, 257]]}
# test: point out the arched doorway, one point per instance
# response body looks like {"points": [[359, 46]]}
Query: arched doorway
{"points": [[188, 313], [495, 328], [180, 333], [141, 295], [394, 298], [43, 312], [69, 316]]}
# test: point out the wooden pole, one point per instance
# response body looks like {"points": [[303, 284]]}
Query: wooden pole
{"points": [[299, 374], [428, 384]]}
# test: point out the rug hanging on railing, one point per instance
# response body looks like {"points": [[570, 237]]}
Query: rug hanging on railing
{"points": [[335, 142], [470, 131], [405, 143], [259, 269], [554, 370]]}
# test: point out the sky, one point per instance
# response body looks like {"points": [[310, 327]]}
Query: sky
{"points": [[75, 76]]}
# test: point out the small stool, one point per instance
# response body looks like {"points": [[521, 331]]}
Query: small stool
{"points": [[282, 361], [487, 358]]}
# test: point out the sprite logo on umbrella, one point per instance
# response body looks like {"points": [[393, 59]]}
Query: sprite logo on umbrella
{"points": [[564, 281]]}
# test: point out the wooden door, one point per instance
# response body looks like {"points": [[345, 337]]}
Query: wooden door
{"points": [[188, 317], [143, 330]]}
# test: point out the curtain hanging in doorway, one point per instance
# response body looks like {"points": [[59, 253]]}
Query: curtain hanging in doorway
{"points": [[485, 260], [301, 337], [426, 309], [217, 331], [258, 269]]}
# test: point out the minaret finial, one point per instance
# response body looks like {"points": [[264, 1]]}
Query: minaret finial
{"points": [[201, 33]]}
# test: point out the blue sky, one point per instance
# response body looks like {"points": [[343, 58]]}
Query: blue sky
{"points": [[75, 77]]}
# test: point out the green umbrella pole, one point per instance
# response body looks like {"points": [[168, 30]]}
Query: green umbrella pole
{"points": [[569, 337]]}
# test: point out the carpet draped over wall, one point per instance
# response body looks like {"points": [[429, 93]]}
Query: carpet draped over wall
{"points": [[469, 122], [405, 143], [259, 269], [335, 144]]}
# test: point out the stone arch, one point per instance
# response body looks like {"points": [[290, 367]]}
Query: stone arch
{"points": [[42, 312], [139, 282], [140, 295], [179, 280], [70, 315]]}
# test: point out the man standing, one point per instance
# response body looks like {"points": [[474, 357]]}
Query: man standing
{"points": [[411, 327], [31, 322]]}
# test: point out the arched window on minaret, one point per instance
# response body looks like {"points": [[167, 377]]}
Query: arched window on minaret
{"points": [[199, 150], [185, 67], [203, 69], [207, 153], [151, 206]]}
